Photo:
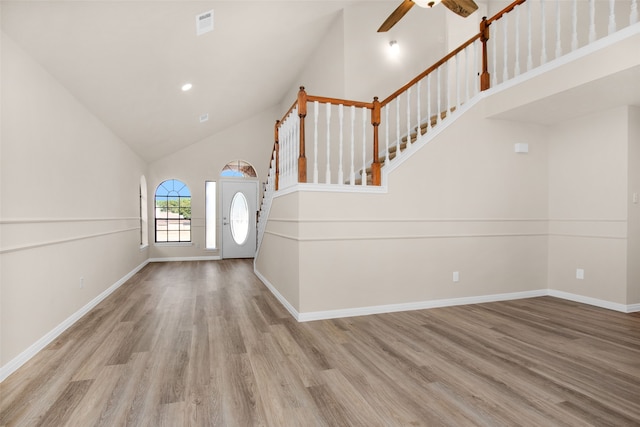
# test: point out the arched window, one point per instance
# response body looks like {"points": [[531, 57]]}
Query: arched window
{"points": [[238, 169], [144, 216], [173, 212]]}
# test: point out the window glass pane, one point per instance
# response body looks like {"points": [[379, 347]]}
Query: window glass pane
{"points": [[239, 218], [173, 205], [210, 215]]}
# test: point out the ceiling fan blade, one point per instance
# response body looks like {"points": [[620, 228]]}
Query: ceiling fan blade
{"points": [[463, 8], [396, 15]]}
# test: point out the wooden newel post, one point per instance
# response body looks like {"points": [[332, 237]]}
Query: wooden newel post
{"points": [[375, 121], [485, 78], [302, 113], [276, 148]]}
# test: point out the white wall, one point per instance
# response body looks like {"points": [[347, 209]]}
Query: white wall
{"points": [[70, 205], [588, 205], [353, 62], [252, 141]]}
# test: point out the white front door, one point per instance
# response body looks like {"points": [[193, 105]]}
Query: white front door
{"points": [[239, 210]]}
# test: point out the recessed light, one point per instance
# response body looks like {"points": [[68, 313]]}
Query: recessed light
{"points": [[394, 48], [186, 87]]}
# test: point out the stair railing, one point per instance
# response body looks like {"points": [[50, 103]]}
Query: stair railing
{"points": [[346, 151], [344, 141]]}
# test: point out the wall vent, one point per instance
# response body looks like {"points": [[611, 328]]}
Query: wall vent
{"points": [[204, 22]]}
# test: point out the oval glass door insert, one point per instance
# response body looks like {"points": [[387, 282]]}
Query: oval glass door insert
{"points": [[239, 218]]}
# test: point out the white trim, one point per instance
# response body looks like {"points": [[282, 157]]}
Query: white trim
{"points": [[401, 237], [62, 220], [332, 188], [189, 258], [34, 348], [590, 301], [62, 241], [290, 308], [420, 305], [449, 302], [405, 220]]}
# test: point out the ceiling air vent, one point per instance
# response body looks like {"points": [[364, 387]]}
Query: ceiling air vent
{"points": [[204, 22]]}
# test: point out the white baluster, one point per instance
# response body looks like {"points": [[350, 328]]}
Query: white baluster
{"points": [[516, 68], [529, 38], [543, 33], [316, 112], [341, 136], [328, 169], [386, 132], [352, 173], [447, 104], [574, 25], [592, 21], [467, 73], [505, 66], [612, 16], [429, 102], [558, 42], [364, 145], [494, 74], [418, 130], [438, 103], [408, 117], [397, 127], [458, 81], [476, 68], [633, 16]]}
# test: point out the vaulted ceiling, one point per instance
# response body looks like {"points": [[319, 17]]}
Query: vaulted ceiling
{"points": [[127, 60]]}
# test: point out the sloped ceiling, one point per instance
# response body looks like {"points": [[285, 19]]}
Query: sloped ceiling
{"points": [[126, 60]]}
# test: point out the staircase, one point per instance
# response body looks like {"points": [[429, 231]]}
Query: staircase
{"points": [[334, 143]]}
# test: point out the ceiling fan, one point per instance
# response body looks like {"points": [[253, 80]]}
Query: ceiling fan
{"points": [[463, 8]]}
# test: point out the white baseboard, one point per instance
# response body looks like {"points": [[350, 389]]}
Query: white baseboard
{"points": [[419, 305], [192, 258], [34, 348], [291, 309], [593, 301], [633, 308], [422, 305]]}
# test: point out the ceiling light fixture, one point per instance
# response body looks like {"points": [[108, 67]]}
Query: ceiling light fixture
{"points": [[426, 3], [395, 47], [186, 87]]}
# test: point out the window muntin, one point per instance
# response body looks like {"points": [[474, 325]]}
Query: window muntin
{"points": [[238, 169], [173, 212]]}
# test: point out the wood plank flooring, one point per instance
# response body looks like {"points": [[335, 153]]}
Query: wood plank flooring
{"points": [[206, 344]]}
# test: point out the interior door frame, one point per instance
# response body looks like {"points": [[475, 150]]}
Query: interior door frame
{"points": [[221, 210]]}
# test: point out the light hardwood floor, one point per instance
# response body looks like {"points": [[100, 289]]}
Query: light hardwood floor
{"points": [[206, 344]]}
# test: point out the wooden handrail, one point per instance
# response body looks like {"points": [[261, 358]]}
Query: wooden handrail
{"points": [[504, 11], [429, 70], [337, 101]]}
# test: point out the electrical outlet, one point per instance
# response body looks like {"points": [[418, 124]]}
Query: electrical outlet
{"points": [[456, 276], [580, 274], [636, 198], [81, 282]]}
